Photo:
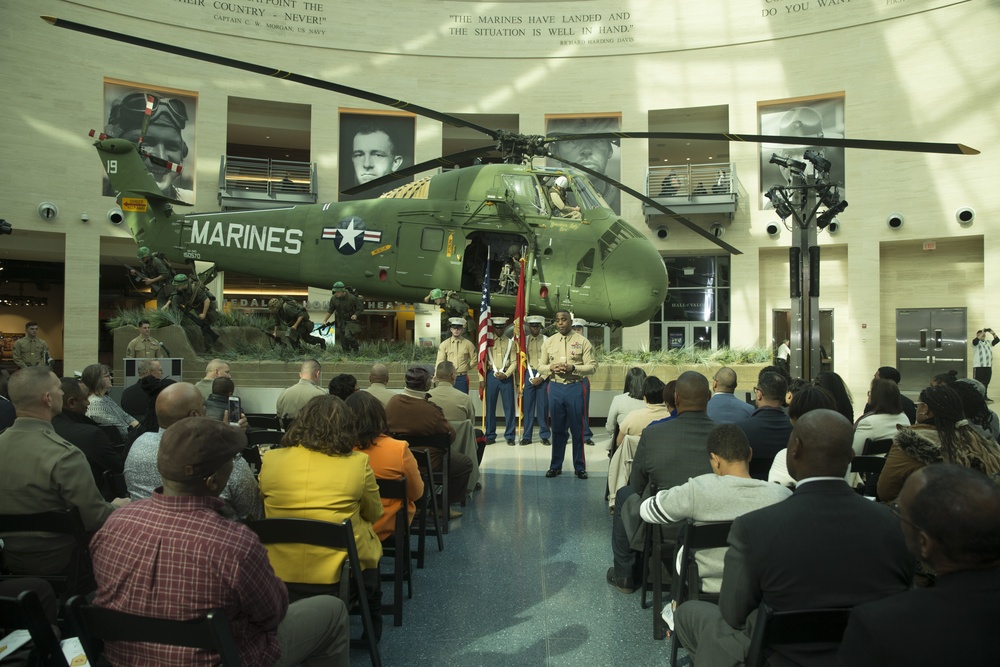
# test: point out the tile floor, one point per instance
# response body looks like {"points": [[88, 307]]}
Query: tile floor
{"points": [[522, 578]]}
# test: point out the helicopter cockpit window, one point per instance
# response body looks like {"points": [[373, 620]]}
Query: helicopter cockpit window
{"points": [[525, 190], [617, 232], [583, 194], [432, 239]]}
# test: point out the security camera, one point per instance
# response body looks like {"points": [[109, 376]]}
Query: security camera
{"points": [[662, 232], [717, 229], [48, 210], [965, 216], [895, 220], [115, 216], [84, 218], [773, 229]]}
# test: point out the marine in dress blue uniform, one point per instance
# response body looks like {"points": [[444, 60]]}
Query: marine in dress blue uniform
{"points": [[500, 383], [535, 403], [588, 435]]}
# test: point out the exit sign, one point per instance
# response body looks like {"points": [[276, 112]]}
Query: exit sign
{"points": [[930, 245]]}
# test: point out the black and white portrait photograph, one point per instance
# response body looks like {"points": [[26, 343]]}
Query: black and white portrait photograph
{"points": [[812, 117], [373, 146], [601, 155], [164, 121]]}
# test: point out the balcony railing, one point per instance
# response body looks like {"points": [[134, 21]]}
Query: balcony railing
{"points": [[258, 183], [695, 188]]}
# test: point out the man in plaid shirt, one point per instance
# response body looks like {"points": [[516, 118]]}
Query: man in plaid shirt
{"points": [[175, 556]]}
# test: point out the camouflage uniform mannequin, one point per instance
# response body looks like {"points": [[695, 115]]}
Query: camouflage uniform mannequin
{"points": [[346, 307], [291, 314], [155, 274], [192, 298], [453, 307]]}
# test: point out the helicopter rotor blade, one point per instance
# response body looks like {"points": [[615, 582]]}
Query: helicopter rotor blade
{"points": [[447, 119], [453, 160], [650, 202], [833, 142]]}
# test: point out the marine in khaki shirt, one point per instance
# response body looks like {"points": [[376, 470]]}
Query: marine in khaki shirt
{"points": [[144, 346], [30, 350]]}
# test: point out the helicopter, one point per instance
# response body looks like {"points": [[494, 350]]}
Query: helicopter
{"points": [[444, 231]]}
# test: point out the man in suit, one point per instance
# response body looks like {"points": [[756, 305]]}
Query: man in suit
{"points": [[768, 427], [724, 407], [950, 517], [135, 400], [76, 427], [824, 547], [668, 454]]}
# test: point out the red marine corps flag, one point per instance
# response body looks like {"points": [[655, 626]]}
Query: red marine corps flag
{"points": [[520, 312]]}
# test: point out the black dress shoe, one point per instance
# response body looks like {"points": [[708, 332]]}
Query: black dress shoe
{"points": [[490, 441], [552, 473], [510, 442], [525, 441], [589, 442], [582, 474], [546, 443]]}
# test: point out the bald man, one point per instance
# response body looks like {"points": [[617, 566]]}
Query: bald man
{"points": [[950, 517], [378, 378], [43, 472], [668, 454], [824, 547], [176, 402], [293, 399], [724, 407], [216, 368]]}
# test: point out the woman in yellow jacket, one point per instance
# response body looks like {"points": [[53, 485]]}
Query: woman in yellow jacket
{"points": [[316, 474]]}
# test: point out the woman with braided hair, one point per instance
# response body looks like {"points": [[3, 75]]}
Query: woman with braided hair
{"points": [[942, 433]]}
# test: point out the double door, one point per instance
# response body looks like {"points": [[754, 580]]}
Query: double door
{"points": [[930, 341]]}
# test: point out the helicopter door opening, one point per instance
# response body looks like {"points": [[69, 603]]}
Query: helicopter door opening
{"points": [[500, 248]]}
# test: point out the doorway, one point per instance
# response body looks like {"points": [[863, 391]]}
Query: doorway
{"points": [[930, 341], [699, 335], [781, 329]]}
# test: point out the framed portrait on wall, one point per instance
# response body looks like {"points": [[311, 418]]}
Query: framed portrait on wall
{"points": [[601, 155], [372, 145], [820, 116], [169, 117]]}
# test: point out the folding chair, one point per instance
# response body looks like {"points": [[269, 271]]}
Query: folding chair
{"points": [[115, 482], [811, 626], [426, 506], [397, 547], [65, 522], [263, 420], [687, 580], [869, 467], [332, 536], [877, 447], [438, 478], [25, 611], [96, 625], [262, 437]]}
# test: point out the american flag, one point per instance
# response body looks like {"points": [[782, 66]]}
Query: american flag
{"points": [[484, 330]]}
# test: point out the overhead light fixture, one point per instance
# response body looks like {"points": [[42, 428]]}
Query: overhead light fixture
{"points": [[817, 160], [824, 218], [779, 201], [787, 162]]}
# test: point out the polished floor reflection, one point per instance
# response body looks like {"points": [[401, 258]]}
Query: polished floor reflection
{"points": [[522, 578]]}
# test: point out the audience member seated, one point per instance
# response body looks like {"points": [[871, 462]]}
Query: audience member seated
{"points": [[103, 409], [43, 472], [378, 378], [668, 455], [177, 401], [135, 398], [823, 547], [456, 405], [216, 368], [972, 392], [295, 397], [73, 425], [944, 378], [884, 413], [149, 423], [389, 459], [890, 373], [722, 495], [217, 403], [834, 384], [343, 386], [174, 556], [724, 407], [653, 410], [950, 517], [767, 427], [806, 399], [7, 413], [942, 433], [630, 399], [412, 414], [317, 474]]}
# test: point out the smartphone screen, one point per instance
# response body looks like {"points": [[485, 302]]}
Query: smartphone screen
{"points": [[234, 410]]}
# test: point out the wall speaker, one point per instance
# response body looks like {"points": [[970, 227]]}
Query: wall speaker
{"points": [[717, 229], [894, 220], [773, 229], [662, 232], [834, 226], [965, 216], [115, 216]]}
